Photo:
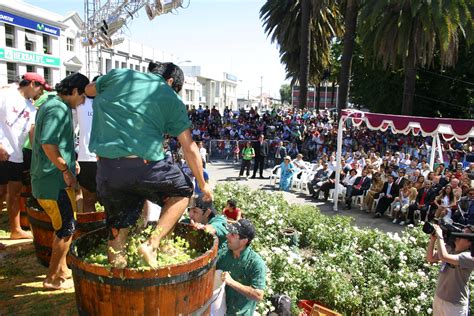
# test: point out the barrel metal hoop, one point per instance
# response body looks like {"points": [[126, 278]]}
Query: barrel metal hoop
{"points": [[141, 283], [90, 226], [38, 223], [40, 248]]}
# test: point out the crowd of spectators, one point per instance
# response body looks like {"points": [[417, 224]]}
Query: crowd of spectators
{"points": [[388, 171]]}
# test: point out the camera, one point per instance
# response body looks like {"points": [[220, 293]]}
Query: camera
{"points": [[451, 231]]}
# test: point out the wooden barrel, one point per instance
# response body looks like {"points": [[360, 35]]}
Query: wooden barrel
{"points": [[43, 232], [24, 195], [184, 289]]}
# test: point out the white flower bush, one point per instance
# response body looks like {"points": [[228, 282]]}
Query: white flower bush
{"points": [[353, 271]]}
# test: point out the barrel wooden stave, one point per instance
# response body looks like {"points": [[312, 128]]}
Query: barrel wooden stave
{"points": [[165, 291]]}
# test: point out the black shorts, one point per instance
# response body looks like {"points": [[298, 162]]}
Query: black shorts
{"points": [[124, 184], [86, 177], [11, 171]]}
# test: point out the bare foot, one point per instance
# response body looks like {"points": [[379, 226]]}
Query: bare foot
{"points": [[117, 259], [20, 235], [148, 254], [58, 284], [66, 274]]}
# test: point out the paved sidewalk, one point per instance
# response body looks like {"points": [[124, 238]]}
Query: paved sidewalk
{"points": [[226, 172]]}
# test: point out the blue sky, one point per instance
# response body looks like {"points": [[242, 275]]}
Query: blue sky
{"points": [[219, 35]]}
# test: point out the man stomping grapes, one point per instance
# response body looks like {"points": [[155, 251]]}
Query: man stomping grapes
{"points": [[132, 112]]}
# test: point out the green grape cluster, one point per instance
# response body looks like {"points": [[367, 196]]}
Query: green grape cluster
{"points": [[99, 207], [173, 250]]}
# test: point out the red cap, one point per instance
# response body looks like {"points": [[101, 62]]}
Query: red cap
{"points": [[32, 76]]}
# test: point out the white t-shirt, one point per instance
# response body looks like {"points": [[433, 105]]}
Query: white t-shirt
{"points": [[17, 115], [84, 118], [203, 153]]}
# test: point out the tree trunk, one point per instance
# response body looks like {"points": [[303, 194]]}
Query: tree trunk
{"points": [[333, 92], [350, 23], [318, 97], [410, 75], [305, 51]]}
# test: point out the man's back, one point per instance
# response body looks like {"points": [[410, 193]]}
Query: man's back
{"points": [[132, 111]]}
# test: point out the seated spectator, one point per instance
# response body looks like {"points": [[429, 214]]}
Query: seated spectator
{"points": [[298, 162], [424, 198], [445, 202], [406, 197], [418, 183], [360, 185], [386, 196], [231, 211], [465, 211], [320, 176]]}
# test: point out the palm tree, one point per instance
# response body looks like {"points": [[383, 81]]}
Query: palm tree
{"points": [[406, 33], [282, 21], [351, 9]]}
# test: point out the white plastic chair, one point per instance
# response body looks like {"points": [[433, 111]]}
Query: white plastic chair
{"points": [[295, 181], [275, 175]]}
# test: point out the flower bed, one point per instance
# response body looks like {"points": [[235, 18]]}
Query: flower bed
{"points": [[353, 271]]}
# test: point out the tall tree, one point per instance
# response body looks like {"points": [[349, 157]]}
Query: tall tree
{"points": [[282, 23], [401, 32], [305, 51], [350, 24], [285, 94]]}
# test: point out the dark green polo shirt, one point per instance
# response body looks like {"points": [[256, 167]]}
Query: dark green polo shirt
{"points": [[250, 270]]}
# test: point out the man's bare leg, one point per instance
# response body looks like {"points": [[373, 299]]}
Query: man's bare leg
{"points": [[14, 190], [88, 200], [58, 272], [170, 215], [116, 250]]}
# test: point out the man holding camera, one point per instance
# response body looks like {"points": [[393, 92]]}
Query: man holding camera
{"points": [[452, 290]]}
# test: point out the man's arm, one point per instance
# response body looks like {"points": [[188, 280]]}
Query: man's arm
{"points": [[52, 152], [443, 254], [194, 161], [245, 290]]}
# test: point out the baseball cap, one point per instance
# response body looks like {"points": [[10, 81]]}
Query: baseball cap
{"points": [[243, 227], [199, 202], [32, 76], [74, 80]]}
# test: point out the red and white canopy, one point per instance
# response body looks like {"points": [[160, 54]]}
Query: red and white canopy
{"points": [[448, 128]]}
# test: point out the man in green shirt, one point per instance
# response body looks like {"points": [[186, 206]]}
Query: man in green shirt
{"points": [[248, 153], [203, 215], [132, 112], [53, 172], [244, 271]]}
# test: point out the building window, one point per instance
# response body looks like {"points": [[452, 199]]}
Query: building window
{"points": [[11, 72], [30, 40], [131, 66], [30, 68], [9, 35], [47, 44], [70, 44], [117, 64], [143, 69], [47, 74], [137, 67], [124, 65]]}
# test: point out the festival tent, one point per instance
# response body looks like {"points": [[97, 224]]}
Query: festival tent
{"points": [[449, 129]]}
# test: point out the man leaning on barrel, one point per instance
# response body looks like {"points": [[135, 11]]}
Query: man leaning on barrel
{"points": [[132, 112], [243, 269]]}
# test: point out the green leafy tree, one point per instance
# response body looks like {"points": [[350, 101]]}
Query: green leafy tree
{"points": [[407, 33], [282, 21], [285, 93]]}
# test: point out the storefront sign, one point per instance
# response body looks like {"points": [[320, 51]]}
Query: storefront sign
{"points": [[28, 57], [29, 24]]}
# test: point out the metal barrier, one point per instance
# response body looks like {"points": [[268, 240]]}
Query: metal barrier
{"points": [[223, 150]]}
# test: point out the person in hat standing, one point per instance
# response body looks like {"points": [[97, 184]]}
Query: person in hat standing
{"points": [[17, 115], [53, 172], [244, 270], [203, 215], [287, 170], [132, 112]]}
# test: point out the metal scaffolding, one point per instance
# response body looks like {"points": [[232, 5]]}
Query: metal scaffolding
{"points": [[104, 24]]}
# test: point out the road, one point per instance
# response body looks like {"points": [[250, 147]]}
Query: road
{"points": [[226, 171]]}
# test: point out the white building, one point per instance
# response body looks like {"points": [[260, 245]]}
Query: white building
{"points": [[219, 90], [36, 40]]}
